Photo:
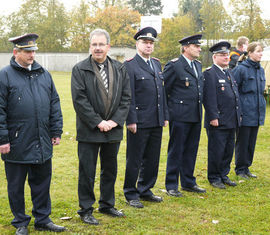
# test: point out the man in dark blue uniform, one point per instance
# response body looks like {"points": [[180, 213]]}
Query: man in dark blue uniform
{"points": [[222, 115], [147, 115], [30, 125], [184, 86]]}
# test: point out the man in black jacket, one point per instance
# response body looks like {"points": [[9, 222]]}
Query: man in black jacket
{"points": [[30, 125], [101, 98], [222, 115], [147, 115], [184, 86]]}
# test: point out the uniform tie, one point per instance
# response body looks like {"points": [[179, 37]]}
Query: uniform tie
{"points": [[103, 76], [149, 63], [194, 69]]}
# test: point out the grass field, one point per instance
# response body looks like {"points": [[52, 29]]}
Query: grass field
{"points": [[244, 209]]}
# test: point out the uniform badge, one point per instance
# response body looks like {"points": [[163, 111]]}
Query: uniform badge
{"points": [[187, 82], [223, 88]]}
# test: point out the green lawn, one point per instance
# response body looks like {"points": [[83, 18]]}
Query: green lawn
{"points": [[244, 209]]}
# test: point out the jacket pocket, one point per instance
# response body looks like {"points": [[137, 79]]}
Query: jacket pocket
{"points": [[249, 85]]}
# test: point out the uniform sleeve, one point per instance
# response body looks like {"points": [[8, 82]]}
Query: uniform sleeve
{"points": [[81, 104], [120, 115], [236, 72], [132, 115], [56, 118], [4, 139], [169, 77], [210, 96]]}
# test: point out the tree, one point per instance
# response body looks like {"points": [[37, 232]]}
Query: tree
{"points": [[146, 7], [121, 23], [215, 20], [247, 19], [47, 18], [172, 31], [80, 29], [192, 8], [5, 46]]}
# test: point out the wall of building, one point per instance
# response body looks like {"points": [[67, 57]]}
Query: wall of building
{"points": [[65, 61]]}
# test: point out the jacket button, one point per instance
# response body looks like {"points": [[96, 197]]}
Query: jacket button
{"points": [[37, 146], [181, 102]]}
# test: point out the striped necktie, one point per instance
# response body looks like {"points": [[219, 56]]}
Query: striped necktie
{"points": [[104, 76]]}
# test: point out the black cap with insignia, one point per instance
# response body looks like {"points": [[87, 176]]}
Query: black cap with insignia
{"points": [[26, 42], [221, 47], [194, 39], [147, 33]]}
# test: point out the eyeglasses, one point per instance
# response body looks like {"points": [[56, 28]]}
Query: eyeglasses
{"points": [[223, 54], [101, 45]]}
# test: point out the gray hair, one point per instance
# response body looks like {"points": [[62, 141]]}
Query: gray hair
{"points": [[100, 32]]}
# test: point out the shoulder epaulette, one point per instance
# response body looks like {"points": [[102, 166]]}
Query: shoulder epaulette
{"points": [[175, 59], [155, 58], [130, 59], [208, 68], [198, 61]]}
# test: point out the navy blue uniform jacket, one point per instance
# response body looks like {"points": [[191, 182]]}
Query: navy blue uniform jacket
{"points": [[148, 105], [221, 99], [30, 113], [250, 78], [184, 91]]}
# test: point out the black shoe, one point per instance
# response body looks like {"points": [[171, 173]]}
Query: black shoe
{"points": [[249, 174], [174, 193], [219, 185], [111, 211], [89, 219], [229, 182], [22, 231], [243, 175], [49, 227], [151, 198], [135, 203], [194, 189]]}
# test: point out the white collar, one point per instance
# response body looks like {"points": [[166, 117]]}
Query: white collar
{"points": [[188, 60], [29, 67], [144, 58], [222, 69]]}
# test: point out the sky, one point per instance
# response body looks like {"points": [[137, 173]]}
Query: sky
{"points": [[170, 6]]}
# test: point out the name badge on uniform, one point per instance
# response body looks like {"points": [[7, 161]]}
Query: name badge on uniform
{"points": [[187, 82], [221, 81]]}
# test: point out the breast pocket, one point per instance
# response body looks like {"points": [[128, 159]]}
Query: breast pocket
{"points": [[249, 85], [262, 84]]}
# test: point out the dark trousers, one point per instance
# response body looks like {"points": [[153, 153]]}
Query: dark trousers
{"points": [[142, 161], [182, 153], [246, 137], [220, 153], [88, 153], [39, 179]]}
